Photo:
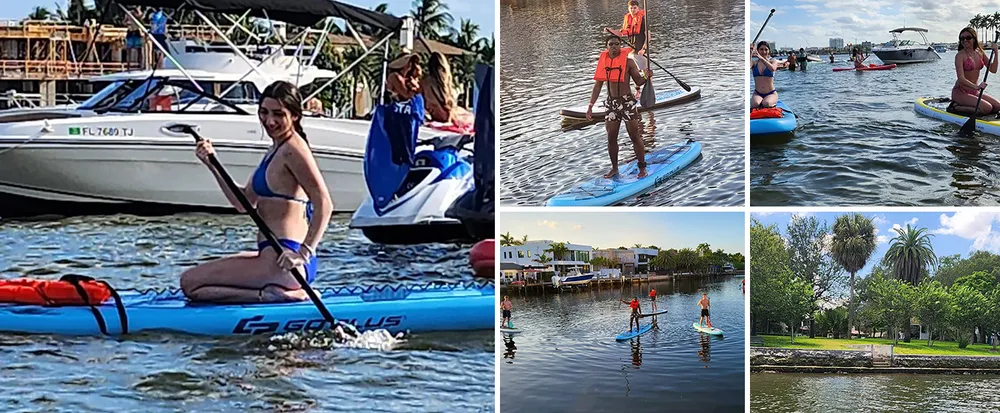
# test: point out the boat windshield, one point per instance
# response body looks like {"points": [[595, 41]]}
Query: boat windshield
{"points": [[164, 95], [110, 94]]}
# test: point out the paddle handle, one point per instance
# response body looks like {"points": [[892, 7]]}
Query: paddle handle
{"points": [[762, 27], [272, 240]]}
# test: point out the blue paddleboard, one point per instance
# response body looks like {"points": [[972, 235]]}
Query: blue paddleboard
{"points": [[769, 126], [601, 191], [633, 333]]}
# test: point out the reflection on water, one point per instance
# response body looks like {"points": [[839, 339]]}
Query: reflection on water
{"points": [[568, 359], [550, 50], [859, 142], [807, 393]]}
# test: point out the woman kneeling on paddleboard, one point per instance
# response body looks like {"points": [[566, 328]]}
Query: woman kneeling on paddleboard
{"points": [[615, 68], [764, 93], [969, 60], [284, 188]]}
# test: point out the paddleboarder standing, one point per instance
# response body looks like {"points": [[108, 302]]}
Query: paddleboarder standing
{"points": [[636, 312], [705, 305], [505, 308], [652, 297], [615, 68]]}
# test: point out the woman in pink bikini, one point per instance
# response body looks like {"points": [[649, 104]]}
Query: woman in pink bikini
{"points": [[969, 60]]}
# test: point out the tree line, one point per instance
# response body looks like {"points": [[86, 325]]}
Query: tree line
{"points": [[801, 277]]}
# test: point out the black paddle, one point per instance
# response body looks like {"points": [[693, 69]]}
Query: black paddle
{"points": [[970, 125], [679, 82], [648, 96], [754, 42], [180, 128]]}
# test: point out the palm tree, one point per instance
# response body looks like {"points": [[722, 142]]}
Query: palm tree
{"points": [[910, 254], [558, 250], [505, 239], [542, 259], [636, 245], [432, 18], [40, 13], [853, 243], [523, 240], [703, 249]]}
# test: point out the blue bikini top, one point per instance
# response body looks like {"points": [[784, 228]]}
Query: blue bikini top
{"points": [[259, 183], [767, 71]]}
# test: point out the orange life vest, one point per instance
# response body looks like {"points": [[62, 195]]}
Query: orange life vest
{"points": [[612, 70], [633, 24], [51, 293]]}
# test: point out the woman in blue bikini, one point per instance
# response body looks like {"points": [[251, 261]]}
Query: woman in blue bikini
{"points": [[764, 94], [285, 188]]}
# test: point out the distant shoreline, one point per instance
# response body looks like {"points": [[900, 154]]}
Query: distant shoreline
{"points": [[785, 360]]}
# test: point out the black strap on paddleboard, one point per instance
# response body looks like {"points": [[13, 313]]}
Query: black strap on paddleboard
{"points": [[76, 279]]}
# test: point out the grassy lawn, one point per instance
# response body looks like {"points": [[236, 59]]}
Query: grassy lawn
{"points": [[940, 348]]}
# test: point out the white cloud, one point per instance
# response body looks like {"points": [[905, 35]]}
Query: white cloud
{"points": [[882, 239], [762, 214], [977, 226], [879, 220], [577, 227], [912, 221], [547, 223]]}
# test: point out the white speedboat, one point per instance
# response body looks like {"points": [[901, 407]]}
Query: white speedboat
{"points": [[572, 279], [900, 51], [111, 149]]}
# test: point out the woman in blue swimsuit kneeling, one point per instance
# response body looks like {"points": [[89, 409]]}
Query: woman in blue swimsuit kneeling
{"points": [[284, 189], [764, 94]]}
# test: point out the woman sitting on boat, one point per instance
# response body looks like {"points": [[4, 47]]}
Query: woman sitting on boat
{"points": [[764, 94], [969, 60], [439, 95], [284, 189]]}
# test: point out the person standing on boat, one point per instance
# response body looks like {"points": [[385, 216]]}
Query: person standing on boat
{"points": [[284, 189], [615, 68], [969, 60], [652, 298], [762, 69], [705, 306], [636, 312], [158, 29], [505, 307]]}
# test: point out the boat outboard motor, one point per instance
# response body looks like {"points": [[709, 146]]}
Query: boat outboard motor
{"points": [[476, 208]]}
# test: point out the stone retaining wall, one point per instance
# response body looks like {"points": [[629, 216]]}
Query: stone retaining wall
{"points": [[860, 361]]}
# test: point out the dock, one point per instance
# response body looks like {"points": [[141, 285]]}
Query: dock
{"points": [[535, 287]]}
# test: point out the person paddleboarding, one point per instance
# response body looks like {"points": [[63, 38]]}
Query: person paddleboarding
{"points": [[636, 312], [505, 307], [288, 191], [635, 31], [705, 305], [969, 61], [652, 298], [765, 95], [615, 68]]}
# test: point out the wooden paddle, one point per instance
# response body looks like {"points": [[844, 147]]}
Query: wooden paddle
{"points": [[970, 125]]}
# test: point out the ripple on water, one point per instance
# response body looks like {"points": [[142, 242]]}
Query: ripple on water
{"points": [[859, 142], [158, 372], [541, 74]]}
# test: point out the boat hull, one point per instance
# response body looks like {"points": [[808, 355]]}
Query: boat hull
{"points": [[903, 56]]}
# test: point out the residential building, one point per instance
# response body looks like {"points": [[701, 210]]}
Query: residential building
{"points": [[527, 255], [836, 43], [642, 258]]}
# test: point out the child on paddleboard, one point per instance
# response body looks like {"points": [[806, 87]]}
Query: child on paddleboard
{"points": [[704, 320], [636, 312]]}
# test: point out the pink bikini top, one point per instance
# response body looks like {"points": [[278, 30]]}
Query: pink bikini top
{"points": [[970, 65]]}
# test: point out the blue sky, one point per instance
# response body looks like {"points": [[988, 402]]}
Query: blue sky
{"points": [[954, 232], [473, 10], [612, 229], [806, 23]]}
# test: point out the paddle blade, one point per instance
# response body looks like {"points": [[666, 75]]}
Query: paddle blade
{"points": [[648, 96], [969, 127]]}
